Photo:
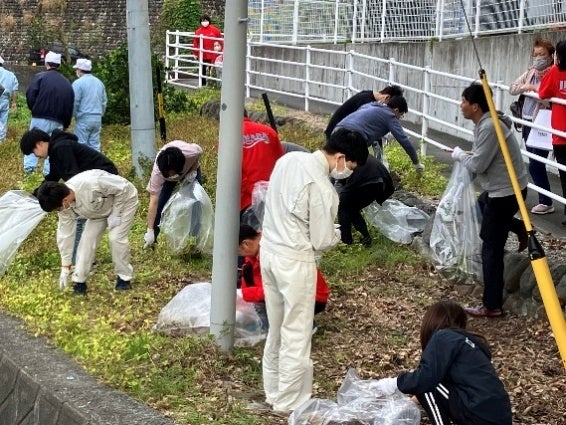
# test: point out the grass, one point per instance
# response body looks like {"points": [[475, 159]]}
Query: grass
{"points": [[187, 378]]}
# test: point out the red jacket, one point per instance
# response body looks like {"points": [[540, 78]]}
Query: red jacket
{"points": [[553, 84], [261, 148], [209, 35], [252, 285]]}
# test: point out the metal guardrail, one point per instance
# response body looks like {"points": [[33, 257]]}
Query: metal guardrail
{"points": [[310, 78], [336, 21]]}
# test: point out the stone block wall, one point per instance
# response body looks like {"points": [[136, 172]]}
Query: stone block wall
{"points": [[94, 26]]}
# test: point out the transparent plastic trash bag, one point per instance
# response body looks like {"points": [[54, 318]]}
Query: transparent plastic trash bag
{"points": [[253, 215], [20, 213], [358, 403], [455, 237], [188, 312], [188, 216], [395, 220]]}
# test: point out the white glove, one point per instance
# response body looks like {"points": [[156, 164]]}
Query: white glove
{"points": [[149, 238], [113, 220], [190, 177], [385, 386], [337, 231], [64, 277], [419, 168], [458, 154]]}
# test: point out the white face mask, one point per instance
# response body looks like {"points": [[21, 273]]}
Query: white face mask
{"points": [[217, 48], [204, 23], [173, 178], [340, 175], [540, 63]]}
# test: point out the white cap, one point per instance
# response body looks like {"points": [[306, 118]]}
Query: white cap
{"points": [[1, 60], [83, 65], [52, 57]]}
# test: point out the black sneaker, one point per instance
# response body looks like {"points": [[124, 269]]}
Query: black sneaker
{"points": [[366, 241], [79, 288], [123, 285]]}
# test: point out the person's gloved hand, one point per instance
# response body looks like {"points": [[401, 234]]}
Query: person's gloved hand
{"points": [[113, 220], [458, 154], [385, 386], [189, 178], [149, 238], [419, 168], [64, 277], [337, 231]]}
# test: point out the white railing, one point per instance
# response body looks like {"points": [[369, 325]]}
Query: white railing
{"points": [[312, 21], [433, 96]]}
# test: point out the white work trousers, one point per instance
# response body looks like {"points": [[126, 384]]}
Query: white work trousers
{"points": [[119, 244], [289, 287]]}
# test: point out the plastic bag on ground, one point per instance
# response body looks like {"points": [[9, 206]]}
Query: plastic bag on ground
{"points": [[455, 240], [358, 404], [188, 312], [396, 220], [188, 215], [20, 213]]}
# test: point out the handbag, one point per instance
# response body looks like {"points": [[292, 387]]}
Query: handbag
{"points": [[516, 108], [541, 139]]}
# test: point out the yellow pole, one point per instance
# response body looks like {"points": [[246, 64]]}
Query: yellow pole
{"points": [[536, 253]]}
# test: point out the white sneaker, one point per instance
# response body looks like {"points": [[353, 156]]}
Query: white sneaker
{"points": [[542, 209]]}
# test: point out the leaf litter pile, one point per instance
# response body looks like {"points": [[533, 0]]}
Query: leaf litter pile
{"points": [[372, 324]]}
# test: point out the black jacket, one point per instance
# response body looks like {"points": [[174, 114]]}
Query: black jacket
{"points": [[50, 96], [373, 177], [461, 362], [68, 157], [351, 105]]}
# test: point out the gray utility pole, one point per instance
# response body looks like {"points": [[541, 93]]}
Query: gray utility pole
{"points": [[141, 87], [227, 217]]}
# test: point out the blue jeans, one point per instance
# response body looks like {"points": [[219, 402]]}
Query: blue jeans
{"points": [[30, 161], [537, 169], [4, 109], [87, 129]]}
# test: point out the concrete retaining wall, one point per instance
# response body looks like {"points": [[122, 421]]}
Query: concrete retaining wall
{"points": [[39, 385]]}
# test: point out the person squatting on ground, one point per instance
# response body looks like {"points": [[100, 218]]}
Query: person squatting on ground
{"points": [[455, 381], [106, 201], [68, 158], [50, 98], [370, 182], [251, 283], [176, 162], [497, 202], [553, 84], [90, 104], [301, 206], [374, 120], [529, 81], [359, 99], [8, 97], [205, 35]]}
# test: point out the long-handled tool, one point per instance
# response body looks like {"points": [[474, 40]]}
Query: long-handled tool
{"points": [[536, 252], [160, 110]]}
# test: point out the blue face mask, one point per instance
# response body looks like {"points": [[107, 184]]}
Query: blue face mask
{"points": [[540, 63]]}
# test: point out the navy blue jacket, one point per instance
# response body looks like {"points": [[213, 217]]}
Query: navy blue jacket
{"points": [[68, 157], [351, 105], [462, 363], [50, 96]]}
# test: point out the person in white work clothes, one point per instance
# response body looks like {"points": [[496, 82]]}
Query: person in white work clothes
{"points": [[107, 201]]}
